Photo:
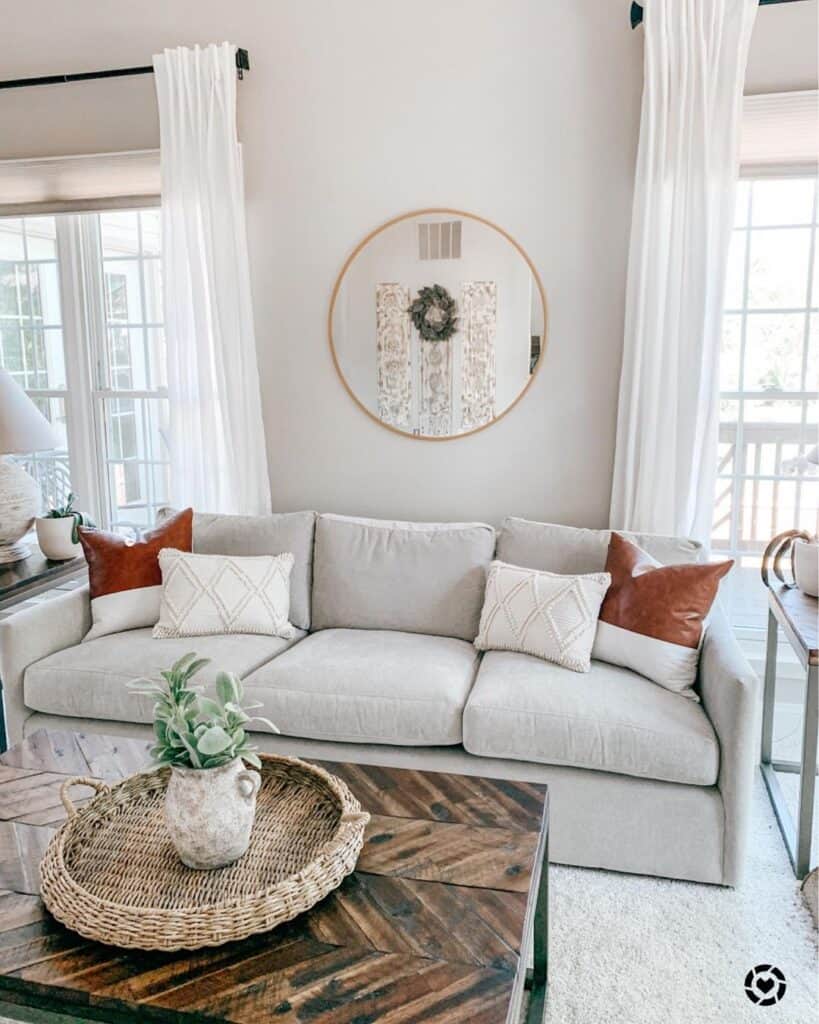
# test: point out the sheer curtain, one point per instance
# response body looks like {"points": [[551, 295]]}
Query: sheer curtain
{"points": [[666, 454], [218, 458]]}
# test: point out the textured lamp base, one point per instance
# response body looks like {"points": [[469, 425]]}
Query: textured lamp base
{"points": [[19, 501], [14, 552]]}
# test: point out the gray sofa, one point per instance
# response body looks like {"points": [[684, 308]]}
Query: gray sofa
{"points": [[383, 671]]}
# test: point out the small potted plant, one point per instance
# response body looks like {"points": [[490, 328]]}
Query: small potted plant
{"points": [[58, 531], [210, 802]]}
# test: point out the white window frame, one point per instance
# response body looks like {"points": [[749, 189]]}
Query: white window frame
{"points": [[87, 387], [739, 475]]}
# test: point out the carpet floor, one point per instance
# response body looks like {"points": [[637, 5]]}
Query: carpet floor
{"points": [[631, 950]]}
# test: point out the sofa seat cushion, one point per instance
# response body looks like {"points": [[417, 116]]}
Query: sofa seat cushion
{"points": [[90, 680], [373, 686], [610, 719]]}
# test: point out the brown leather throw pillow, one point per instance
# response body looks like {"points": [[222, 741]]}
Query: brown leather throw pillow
{"points": [[652, 617], [124, 576]]}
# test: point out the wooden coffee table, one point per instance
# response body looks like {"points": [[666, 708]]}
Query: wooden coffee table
{"points": [[437, 923]]}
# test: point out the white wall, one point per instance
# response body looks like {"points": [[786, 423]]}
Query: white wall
{"points": [[357, 110]]}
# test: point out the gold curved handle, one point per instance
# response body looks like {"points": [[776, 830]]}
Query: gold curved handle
{"points": [[79, 780], [776, 551]]}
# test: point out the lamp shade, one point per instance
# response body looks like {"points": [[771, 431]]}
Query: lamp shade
{"points": [[23, 428]]}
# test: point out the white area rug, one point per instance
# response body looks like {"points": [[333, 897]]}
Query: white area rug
{"points": [[632, 950]]}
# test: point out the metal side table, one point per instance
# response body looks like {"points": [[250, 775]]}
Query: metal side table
{"points": [[797, 614]]}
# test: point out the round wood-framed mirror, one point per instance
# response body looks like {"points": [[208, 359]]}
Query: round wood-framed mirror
{"points": [[437, 324]]}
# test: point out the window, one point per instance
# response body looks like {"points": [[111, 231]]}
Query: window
{"points": [[31, 337], [82, 293], [769, 381]]}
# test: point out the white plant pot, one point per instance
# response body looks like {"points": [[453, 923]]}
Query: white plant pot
{"points": [[54, 538], [806, 566], [209, 813]]}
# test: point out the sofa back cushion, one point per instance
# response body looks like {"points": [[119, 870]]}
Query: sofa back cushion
{"points": [[569, 550], [413, 577], [264, 535]]}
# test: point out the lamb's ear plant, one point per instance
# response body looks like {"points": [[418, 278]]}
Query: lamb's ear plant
{"points": [[194, 731], [67, 511]]}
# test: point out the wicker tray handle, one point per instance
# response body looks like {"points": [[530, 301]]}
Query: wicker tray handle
{"points": [[79, 780], [355, 818]]}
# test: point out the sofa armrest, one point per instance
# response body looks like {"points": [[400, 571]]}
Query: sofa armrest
{"points": [[728, 687], [34, 633]]}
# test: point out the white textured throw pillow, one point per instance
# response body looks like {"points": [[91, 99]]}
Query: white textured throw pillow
{"points": [[552, 617], [204, 595]]}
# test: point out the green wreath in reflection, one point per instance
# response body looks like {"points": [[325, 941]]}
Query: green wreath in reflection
{"points": [[434, 313]]}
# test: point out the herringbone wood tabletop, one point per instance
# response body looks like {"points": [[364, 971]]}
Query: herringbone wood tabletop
{"points": [[433, 926]]}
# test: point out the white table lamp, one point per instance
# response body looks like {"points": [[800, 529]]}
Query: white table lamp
{"points": [[23, 429]]}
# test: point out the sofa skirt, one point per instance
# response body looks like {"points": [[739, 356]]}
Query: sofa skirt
{"points": [[597, 819]]}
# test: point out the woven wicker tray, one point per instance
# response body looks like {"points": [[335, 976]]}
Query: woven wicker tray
{"points": [[112, 874]]}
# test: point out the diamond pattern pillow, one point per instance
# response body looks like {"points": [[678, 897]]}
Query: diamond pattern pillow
{"points": [[540, 613], [204, 595]]}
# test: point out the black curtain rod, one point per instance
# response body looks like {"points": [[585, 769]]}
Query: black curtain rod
{"points": [[637, 10], [242, 65]]}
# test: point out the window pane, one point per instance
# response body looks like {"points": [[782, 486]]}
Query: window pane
{"points": [[41, 238], [729, 353], [812, 367], [152, 269], [735, 274], [809, 512], [136, 431], [133, 300], [722, 512], [764, 356], [45, 287], [11, 352], [11, 239], [741, 204], [783, 201], [771, 410], [157, 356], [128, 358], [778, 268], [9, 289], [120, 234], [123, 294], [151, 225], [773, 352]]}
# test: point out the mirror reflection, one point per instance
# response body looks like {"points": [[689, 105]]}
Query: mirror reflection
{"points": [[437, 324]]}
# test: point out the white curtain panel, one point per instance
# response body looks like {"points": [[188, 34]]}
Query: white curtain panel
{"points": [[666, 455], [218, 458]]}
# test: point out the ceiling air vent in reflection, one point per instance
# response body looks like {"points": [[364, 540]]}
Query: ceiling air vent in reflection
{"points": [[439, 240]]}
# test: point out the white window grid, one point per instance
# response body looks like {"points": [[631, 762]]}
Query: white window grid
{"points": [[89, 394], [117, 404], [51, 469], [799, 436]]}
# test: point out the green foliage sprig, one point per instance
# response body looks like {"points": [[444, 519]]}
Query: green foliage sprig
{"points": [[433, 313], [194, 731], [67, 511]]}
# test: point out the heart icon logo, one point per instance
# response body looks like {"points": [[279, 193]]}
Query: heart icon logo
{"points": [[765, 985]]}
